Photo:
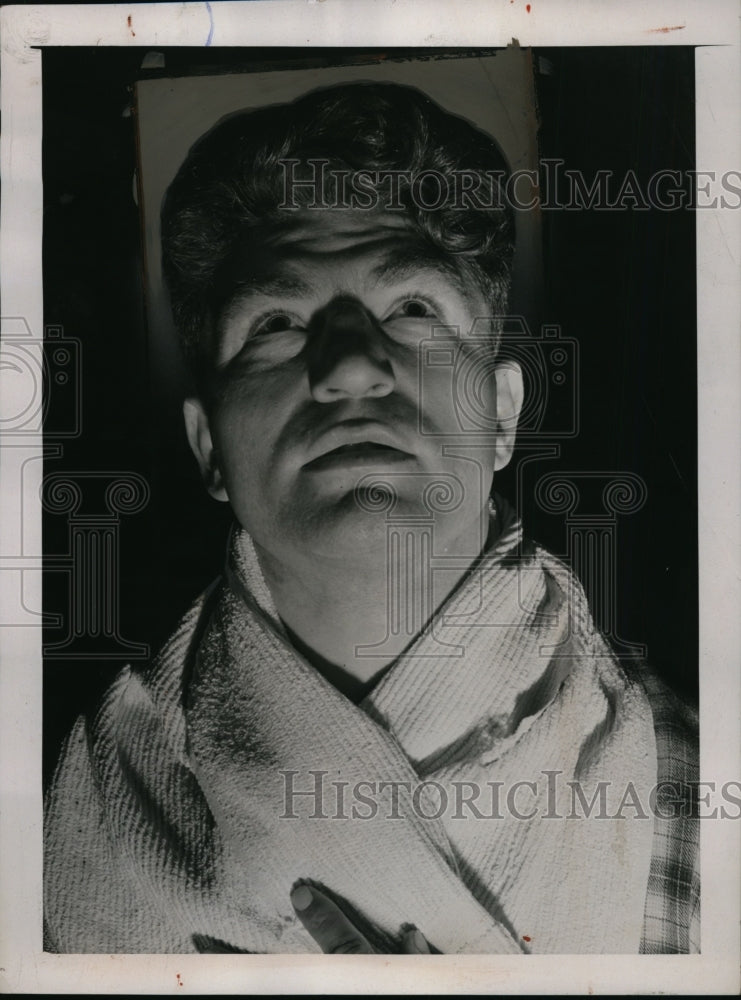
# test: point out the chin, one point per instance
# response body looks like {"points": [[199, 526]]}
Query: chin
{"points": [[360, 524], [349, 524]]}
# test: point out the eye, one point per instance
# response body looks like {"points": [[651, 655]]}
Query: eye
{"points": [[414, 308], [276, 322]]}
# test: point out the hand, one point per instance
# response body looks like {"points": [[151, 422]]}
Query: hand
{"points": [[335, 933]]}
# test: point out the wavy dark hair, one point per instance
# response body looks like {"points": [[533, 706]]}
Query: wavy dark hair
{"points": [[232, 181]]}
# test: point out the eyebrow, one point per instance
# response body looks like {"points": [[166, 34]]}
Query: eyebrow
{"points": [[407, 263], [277, 284], [400, 265], [260, 286]]}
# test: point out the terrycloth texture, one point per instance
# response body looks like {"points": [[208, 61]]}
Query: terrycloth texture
{"points": [[169, 828]]}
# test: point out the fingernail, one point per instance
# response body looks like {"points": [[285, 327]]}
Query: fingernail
{"points": [[419, 942], [301, 897]]}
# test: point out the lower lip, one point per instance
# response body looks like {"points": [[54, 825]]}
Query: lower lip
{"points": [[361, 457]]}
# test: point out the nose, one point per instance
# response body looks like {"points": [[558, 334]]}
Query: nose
{"points": [[347, 355]]}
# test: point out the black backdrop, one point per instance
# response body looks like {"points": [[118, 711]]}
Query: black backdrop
{"points": [[620, 283]]}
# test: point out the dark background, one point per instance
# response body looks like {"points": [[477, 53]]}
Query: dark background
{"points": [[621, 283]]}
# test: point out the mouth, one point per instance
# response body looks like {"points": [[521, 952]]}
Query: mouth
{"points": [[359, 454], [359, 443]]}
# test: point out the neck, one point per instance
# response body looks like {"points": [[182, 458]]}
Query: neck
{"points": [[352, 615]]}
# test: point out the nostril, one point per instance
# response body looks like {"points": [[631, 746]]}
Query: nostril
{"points": [[352, 373]]}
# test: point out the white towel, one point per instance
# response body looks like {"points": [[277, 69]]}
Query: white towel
{"points": [[171, 826]]}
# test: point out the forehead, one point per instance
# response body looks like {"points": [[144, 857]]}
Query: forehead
{"points": [[341, 231], [327, 251]]}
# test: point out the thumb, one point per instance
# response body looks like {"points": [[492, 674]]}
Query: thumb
{"points": [[413, 943]]}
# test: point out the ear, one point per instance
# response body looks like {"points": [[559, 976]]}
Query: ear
{"points": [[510, 394], [198, 430]]}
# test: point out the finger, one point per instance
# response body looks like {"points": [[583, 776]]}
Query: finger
{"points": [[327, 924], [413, 943]]}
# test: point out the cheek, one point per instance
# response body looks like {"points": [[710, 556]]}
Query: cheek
{"points": [[457, 390], [240, 426], [458, 416], [248, 405], [247, 421]]}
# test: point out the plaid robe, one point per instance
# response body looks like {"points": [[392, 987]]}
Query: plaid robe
{"points": [[671, 923]]}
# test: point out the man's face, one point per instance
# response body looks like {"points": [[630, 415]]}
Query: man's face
{"points": [[326, 419]]}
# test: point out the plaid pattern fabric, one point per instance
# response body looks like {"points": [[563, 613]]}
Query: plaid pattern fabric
{"points": [[671, 923]]}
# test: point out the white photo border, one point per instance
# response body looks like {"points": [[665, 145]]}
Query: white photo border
{"points": [[710, 25]]}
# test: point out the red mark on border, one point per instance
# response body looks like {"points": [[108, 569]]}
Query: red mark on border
{"points": [[527, 7], [180, 981], [526, 937], [128, 21], [665, 31]]}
